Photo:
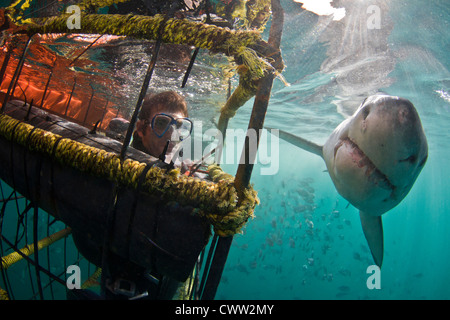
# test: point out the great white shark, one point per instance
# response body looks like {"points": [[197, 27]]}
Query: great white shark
{"points": [[373, 159]]}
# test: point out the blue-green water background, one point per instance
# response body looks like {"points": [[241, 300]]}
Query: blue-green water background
{"points": [[270, 260], [305, 241]]}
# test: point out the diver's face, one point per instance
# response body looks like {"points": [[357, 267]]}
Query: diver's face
{"points": [[153, 144]]}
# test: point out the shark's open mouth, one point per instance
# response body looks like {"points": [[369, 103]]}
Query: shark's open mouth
{"points": [[361, 160]]}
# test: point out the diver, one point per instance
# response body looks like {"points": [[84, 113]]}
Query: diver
{"points": [[163, 124], [162, 127]]}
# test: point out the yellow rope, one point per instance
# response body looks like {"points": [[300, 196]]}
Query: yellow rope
{"points": [[92, 281], [28, 250], [216, 200], [3, 295], [176, 31], [244, 91], [15, 13], [258, 13]]}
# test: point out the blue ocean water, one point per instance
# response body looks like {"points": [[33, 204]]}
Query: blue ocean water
{"points": [[282, 255], [306, 241]]}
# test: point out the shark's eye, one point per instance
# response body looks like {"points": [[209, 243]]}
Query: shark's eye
{"points": [[366, 112], [410, 159]]}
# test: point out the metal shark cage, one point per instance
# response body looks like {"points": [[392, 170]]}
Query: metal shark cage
{"points": [[122, 208]]}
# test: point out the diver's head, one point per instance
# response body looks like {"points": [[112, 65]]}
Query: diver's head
{"points": [[163, 118]]}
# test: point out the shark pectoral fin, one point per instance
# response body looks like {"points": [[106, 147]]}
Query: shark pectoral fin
{"points": [[373, 231], [300, 142]]}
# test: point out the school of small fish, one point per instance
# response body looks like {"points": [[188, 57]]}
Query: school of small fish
{"points": [[299, 239]]}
